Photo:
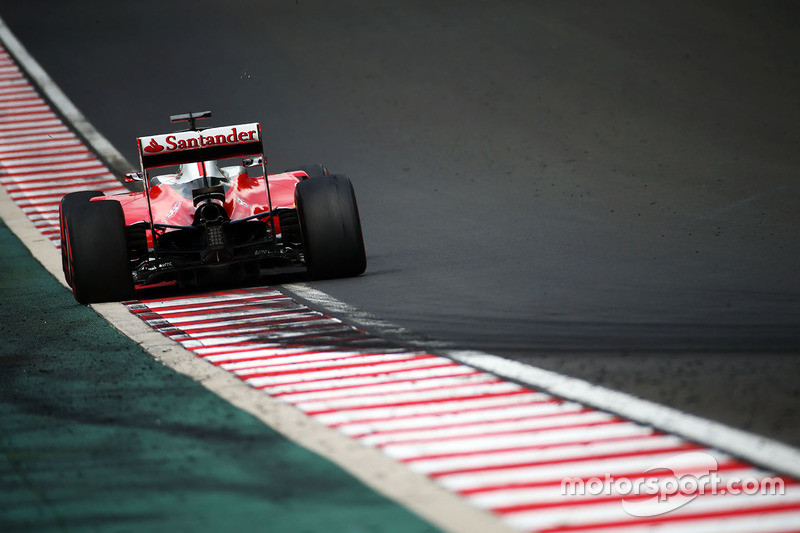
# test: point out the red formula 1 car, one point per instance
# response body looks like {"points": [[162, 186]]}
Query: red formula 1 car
{"points": [[210, 214]]}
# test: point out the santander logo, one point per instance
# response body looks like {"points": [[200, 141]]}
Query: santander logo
{"points": [[213, 137], [160, 146], [153, 147]]}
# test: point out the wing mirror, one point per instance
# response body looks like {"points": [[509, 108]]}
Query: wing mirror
{"points": [[131, 177], [252, 161]]}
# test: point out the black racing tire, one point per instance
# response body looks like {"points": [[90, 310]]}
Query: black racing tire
{"points": [[330, 226], [69, 203], [316, 170], [97, 252]]}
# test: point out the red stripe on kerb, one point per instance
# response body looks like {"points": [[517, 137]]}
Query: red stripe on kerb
{"points": [[92, 168], [156, 303], [291, 372], [673, 517], [417, 390], [556, 443], [364, 375], [219, 299], [453, 411], [275, 360], [242, 307], [503, 433], [23, 111], [9, 93], [530, 464], [486, 396], [498, 419], [34, 153], [264, 326], [29, 115], [24, 128], [724, 466], [244, 347], [372, 384], [302, 350]]}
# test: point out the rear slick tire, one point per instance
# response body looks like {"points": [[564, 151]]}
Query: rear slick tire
{"points": [[330, 226], [70, 202], [97, 252]]}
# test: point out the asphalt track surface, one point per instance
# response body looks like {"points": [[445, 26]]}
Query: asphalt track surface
{"points": [[608, 190]]}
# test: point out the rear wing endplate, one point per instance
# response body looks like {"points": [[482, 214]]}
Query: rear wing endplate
{"points": [[205, 145]]}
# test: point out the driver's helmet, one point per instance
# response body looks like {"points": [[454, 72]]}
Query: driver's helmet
{"points": [[193, 171]]}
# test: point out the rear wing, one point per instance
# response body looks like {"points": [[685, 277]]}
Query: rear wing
{"points": [[205, 145]]}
